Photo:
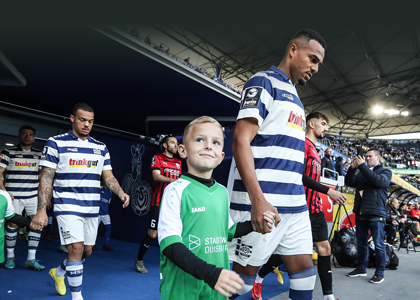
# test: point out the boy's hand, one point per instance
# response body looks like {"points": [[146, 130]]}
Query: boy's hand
{"points": [[269, 217], [229, 283]]}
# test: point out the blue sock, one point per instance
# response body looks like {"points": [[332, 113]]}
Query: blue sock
{"points": [[302, 284], [107, 234]]}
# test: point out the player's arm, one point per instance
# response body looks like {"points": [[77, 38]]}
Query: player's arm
{"points": [[316, 186], [160, 178], [45, 188], [2, 169], [113, 185], [245, 131]]}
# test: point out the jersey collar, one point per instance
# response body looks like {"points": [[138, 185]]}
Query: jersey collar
{"points": [[281, 73], [74, 137]]}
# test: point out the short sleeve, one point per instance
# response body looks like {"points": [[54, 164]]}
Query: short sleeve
{"points": [[4, 159], [156, 163], [49, 156], [107, 160], [170, 223], [257, 98], [10, 211]]}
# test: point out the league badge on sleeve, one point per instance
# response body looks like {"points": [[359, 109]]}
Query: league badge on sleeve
{"points": [[44, 152], [153, 161], [251, 97]]}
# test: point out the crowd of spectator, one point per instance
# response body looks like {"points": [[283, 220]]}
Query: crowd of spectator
{"points": [[186, 61]]}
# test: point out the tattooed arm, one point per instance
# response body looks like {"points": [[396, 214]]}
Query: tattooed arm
{"points": [[44, 194], [113, 185]]}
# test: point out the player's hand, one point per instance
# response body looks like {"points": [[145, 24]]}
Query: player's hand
{"points": [[125, 199], [257, 218], [269, 218], [337, 196], [228, 283], [39, 220]]}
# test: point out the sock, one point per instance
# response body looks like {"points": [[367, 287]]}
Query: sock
{"points": [[325, 274], [33, 241], [302, 284], [74, 270], [61, 269], [273, 262], [145, 243], [248, 284], [259, 279], [107, 234], [329, 297], [11, 234]]}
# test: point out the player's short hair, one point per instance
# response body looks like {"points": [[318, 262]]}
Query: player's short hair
{"points": [[340, 158], [82, 106], [201, 120], [307, 35], [377, 151], [316, 115], [165, 140], [23, 127]]}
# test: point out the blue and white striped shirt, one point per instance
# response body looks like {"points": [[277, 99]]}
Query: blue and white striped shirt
{"points": [[79, 165], [279, 146], [21, 171]]}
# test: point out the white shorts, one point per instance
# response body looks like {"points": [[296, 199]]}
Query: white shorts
{"points": [[104, 219], [74, 229], [30, 205], [293, 236]]}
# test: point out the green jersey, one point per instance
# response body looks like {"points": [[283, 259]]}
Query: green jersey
{"points": [[197, 216], [6, 212]]}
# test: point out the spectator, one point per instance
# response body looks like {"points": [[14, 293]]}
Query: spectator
{"points": [[339, 166], [187, 61], [326, 162]]}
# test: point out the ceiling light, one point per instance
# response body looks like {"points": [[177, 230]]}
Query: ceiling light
{"points": [[9, 144], [391, 112], [404, 113], [378, 110]]}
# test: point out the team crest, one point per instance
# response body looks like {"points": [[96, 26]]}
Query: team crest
{"points": [[243, 250], [177, 165]]}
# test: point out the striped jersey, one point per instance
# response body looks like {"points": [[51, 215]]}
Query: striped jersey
{"points": [[169, 167], [313, 170], [21, 171], [78, 167], [279, 145]]}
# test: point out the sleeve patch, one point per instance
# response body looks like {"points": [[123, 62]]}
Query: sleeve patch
{"points": [[251, 97]]}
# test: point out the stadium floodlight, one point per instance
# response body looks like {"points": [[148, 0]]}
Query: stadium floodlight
{"points": [[378, 110], [391, 112], [404, 113]]}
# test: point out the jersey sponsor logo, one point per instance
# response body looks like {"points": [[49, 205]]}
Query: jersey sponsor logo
{"points": [[171, 171], [97, 151], [288, 96], [198, 209], [243, 250], [194, 242], [251, 97], [24, 164], [296, 121], [44, 152], [72, 149], [215, 244], [83, 163]]}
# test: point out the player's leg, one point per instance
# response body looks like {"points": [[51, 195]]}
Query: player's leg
{"points": [[33, 238], [296, 250], [107, 223], [377, 230], [11, 236], [148, 239], [320, 238]]}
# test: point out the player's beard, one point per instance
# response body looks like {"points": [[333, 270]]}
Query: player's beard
{"points": [[301, 82]]}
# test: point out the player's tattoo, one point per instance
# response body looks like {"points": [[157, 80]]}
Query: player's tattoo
{"points": [[45, 187], [113, 185]]}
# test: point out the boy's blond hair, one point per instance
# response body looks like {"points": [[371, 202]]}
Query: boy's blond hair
{"points": [[201, 120]]}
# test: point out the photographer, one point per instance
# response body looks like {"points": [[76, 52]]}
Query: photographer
{"points": [[371, 183]]}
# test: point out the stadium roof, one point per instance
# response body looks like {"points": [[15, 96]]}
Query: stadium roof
{"points": [[363, 68]]}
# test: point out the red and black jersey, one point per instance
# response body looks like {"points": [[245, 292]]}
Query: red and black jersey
{"points": [[169, 167], [313, 170]]}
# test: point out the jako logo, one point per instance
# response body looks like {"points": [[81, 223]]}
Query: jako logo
{"points": [[198, 209], [295, 121], [82, 163], [24, 164]]}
